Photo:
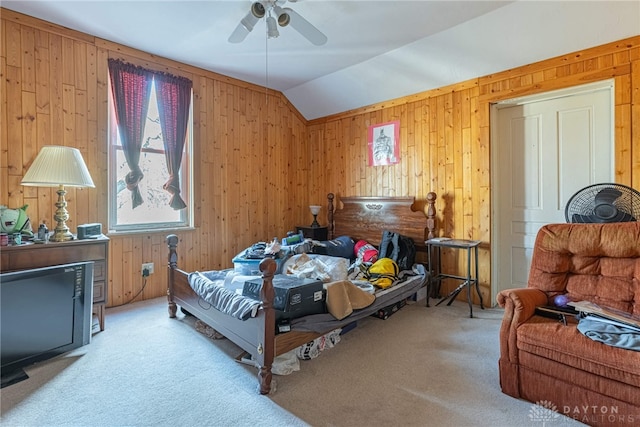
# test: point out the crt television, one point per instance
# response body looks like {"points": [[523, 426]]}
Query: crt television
{"points": [[44, 312]]}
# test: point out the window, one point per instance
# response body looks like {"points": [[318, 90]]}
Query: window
{"points": [[142, 191]]}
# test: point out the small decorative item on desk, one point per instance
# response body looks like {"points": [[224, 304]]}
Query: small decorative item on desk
{"points": [[43, 232], [15, 221], [315, 210], [17, 238], [4, 239]]}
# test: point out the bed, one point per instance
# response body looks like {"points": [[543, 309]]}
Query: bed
{"points": [[357, 217]]}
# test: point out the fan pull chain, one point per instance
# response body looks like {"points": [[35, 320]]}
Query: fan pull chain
{"points": [[266, 64]]}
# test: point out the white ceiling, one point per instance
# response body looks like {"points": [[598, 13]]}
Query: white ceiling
{"points": [[376, 50]]}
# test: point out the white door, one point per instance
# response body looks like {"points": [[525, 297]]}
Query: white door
{"points": [[546, 149]]}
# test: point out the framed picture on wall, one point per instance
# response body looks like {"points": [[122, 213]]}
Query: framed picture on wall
{"points": [[384, 144]]}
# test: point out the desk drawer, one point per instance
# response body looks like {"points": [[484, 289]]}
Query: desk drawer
{"points": [[4, 260], [99, 292], [99, 270], [99, 282], [45, 257]]}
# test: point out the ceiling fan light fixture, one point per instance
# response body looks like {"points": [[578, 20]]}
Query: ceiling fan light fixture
{"points": [[257, 9], [272, 28], [276, 15], [283, 17]]}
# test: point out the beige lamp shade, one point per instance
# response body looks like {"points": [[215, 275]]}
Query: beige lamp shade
{"points": [[56, 165]]}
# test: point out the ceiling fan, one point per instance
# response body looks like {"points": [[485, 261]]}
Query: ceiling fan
{"points": [[276, 15]]}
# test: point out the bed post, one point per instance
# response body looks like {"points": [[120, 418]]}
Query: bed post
{"points": [[172, 242], [330, 208], [431, 215], [266, 348]]}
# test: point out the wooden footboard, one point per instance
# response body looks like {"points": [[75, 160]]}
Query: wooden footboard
{"points": [[254, 335]]}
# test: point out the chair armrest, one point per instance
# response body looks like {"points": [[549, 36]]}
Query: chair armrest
{"points": [[519, 306]]}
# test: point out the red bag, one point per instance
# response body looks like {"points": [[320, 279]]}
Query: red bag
{"points": [[365, 251]]}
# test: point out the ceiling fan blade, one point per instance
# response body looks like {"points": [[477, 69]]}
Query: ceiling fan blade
{"points": [[245, 26], [305, 28]]}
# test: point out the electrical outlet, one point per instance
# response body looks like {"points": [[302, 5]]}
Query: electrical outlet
{"points": [[147, 268]]}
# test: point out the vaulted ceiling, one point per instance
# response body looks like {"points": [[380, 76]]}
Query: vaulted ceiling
{"points": [[376, 50]]}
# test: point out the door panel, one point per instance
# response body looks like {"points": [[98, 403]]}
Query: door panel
{"points": [[547, 149]]}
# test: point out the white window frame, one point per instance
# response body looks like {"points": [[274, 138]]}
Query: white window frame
{"points": [[186, 180]]}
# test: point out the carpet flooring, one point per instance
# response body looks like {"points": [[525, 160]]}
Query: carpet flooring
{"points": [[423, 366]]}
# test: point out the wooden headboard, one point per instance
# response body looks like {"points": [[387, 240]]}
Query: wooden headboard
{"points": [[365, 218]]}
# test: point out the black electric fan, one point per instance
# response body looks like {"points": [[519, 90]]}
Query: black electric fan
{"points": [[604, 202]]}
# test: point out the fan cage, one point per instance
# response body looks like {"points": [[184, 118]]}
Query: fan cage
{"points": [[584, 202]]}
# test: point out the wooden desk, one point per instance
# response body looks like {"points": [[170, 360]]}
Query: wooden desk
{"points": [[37, 255]]}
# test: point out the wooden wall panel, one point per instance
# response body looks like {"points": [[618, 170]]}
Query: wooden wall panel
{"points": [[446, 147], [634, 121], [258, 163], [246, 140]]}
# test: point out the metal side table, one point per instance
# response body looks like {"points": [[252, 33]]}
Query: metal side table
{"points": [[467, 281]]}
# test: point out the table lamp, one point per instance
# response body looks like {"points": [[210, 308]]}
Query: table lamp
{"points": [[315, 210], [57, 166]]}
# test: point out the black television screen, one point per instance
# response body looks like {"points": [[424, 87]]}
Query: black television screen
{"points": [[44, 312]]}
